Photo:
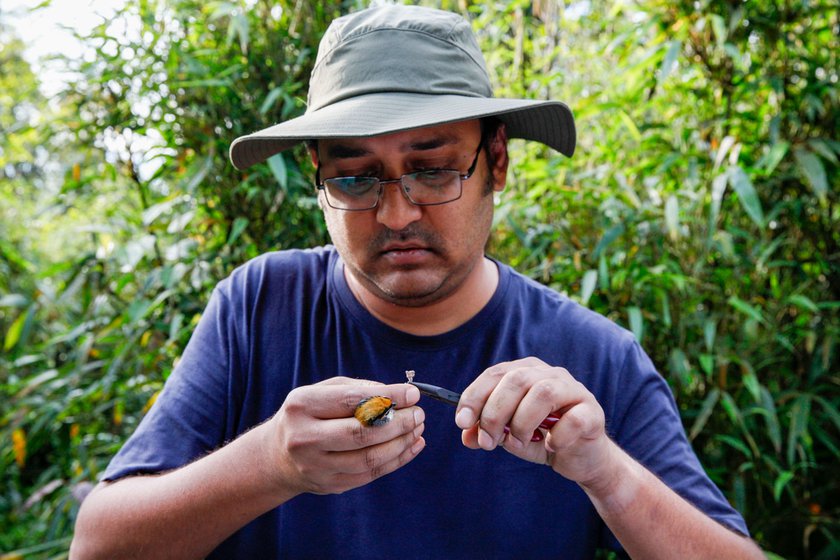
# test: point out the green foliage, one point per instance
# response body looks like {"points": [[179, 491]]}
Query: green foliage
{"points": [[700, 210]]}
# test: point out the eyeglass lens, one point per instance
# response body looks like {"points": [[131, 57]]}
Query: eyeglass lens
{"points": [[423, 187]]}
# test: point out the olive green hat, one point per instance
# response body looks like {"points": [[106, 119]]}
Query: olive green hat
{"points": [[393, 68]]}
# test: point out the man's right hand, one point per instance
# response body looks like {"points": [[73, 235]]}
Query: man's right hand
{"points": [[312, 444], [315, 444]]}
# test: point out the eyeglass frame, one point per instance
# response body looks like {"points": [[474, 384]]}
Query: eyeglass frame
{"points": [[319, 184]]}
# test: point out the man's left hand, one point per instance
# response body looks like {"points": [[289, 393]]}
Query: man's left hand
{"points": [[520, 394]]}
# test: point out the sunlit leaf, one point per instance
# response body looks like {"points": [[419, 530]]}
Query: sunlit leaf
{"points": [[587, 285], [17, 329], [725, 145], [709, 333], [637, 323], [780, 484], [180, 221], [672, 217]]}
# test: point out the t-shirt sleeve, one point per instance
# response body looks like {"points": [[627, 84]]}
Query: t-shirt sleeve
{"points": [[649, 428], [190, 415]]}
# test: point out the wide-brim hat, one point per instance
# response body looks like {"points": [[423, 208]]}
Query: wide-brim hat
{"points": [[393, 68]]}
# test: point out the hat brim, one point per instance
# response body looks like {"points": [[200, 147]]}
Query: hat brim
{"points": [[548, 122]]}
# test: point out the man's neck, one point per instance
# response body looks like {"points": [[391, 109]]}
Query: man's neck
{"points": [[439, 317]]}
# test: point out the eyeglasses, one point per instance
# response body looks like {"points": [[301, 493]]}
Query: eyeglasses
{"points": [[429, 187]]}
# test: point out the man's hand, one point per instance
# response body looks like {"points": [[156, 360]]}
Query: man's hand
{"points": [[647, 517], [316, 445], [520, 394]]}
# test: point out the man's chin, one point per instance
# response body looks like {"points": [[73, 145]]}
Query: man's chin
{"points": [[404, 290]]}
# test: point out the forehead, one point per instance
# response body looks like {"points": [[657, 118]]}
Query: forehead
{"points": [[426, 138]]}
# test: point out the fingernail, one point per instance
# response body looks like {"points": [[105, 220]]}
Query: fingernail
{"points": [[485, 441], [418, 446], [412, 394], [419, 416], [465, 419], [513, 443]]}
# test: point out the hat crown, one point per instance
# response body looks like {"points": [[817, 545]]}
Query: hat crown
{"points": [[406, 49]]}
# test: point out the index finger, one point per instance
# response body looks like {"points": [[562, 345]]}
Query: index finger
{"points": [[475, 396], [339, 397]]}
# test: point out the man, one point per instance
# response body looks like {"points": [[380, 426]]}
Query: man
{"points": [[252, 449]]}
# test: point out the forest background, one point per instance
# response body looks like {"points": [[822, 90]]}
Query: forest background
{"points": [[700, 211]]}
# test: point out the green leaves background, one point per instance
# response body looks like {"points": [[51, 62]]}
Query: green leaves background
{"points": [[700, 211]]}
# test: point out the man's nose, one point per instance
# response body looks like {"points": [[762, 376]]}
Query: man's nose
{"points": [[395, 211]]}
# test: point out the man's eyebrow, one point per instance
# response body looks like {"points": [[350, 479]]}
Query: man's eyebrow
{"points": [[347, 151], [430, 144]]}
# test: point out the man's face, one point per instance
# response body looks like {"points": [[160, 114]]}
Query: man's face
{"points": [[402, 253]]}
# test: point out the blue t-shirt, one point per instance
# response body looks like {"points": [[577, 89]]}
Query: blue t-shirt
{"points": [[288, 319]]}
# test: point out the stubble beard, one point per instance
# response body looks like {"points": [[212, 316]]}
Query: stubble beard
{"points": [[412, 285]]}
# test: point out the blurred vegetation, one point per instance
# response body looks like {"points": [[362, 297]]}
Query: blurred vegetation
{"points": [[700, 211]]}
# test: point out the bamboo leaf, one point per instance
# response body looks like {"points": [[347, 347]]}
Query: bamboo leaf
{"points": [[751, 382], [679, 367], [709, 333], [734, 443], [239, 225], [780, 483], [829, 410], [772, 159], [725, 145], [13, 300], [747, 309], [670, 61], [611, 235], [278, 168], [630, 126], [804, 302], [637, 324], [812, 168], [705, 413], [719, 29], [16, 330], [270, 99], [747, 195], [587, 285], [768, 407], [800, 412], [672, 217]]}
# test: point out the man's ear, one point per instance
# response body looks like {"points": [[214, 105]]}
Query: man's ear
{"points": [[498, 147]]}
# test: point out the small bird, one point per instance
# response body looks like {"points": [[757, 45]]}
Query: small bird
{"points": [[375, 411]]}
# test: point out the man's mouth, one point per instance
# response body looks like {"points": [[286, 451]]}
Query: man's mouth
{"points": [[403, 248], [405, 253]]}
